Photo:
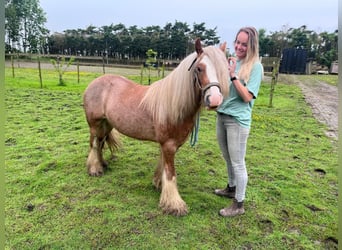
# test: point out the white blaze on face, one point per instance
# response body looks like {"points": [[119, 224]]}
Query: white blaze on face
{"points": [[213, 97]]}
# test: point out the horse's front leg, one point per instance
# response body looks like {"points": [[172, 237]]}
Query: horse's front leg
{"points": [[170, 200]]}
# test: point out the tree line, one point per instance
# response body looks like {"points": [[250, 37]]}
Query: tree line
{"points": [[26, 32], [173, 41]]}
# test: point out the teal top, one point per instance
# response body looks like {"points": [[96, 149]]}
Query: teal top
{"points": [[234, 105]]}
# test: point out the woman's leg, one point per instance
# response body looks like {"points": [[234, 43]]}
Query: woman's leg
{"points": [[222, 138], [237, 143]]}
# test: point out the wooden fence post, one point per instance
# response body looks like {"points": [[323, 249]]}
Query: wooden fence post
{"points": [[78, 71], [12, 63], [40, 73], [274, 81], [103, 64], [141, 74]]}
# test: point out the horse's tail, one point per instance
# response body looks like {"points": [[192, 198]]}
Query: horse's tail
{"points": [[113, 141]]}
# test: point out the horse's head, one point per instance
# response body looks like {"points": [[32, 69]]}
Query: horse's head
{"points": [[211, 73]]}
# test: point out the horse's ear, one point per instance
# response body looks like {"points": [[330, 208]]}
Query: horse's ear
{"points": [[223, 46], [198, 46]]}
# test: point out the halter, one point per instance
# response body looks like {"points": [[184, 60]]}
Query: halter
{"points": [[197, 81], [194, 132]]}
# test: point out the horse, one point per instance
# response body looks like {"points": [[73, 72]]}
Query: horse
{"points": [[163, 112]]}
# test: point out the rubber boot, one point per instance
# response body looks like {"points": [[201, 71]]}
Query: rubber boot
{"points": [[235, 209], [227, 192]]}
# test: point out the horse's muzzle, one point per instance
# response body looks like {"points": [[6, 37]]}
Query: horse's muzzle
{"points": [[213, 97]]}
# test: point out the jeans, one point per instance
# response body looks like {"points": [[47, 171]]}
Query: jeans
{"points": [[232, 139]]}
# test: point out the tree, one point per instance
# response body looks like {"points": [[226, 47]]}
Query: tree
{"points": [[61, 66], [56, 43], [24, 25], [151, 62], [210, 37], [207, 36], [299, 38], [266, 44], [12, 24], [175, 41], [327, 48], [319, 47], [179, 40]]}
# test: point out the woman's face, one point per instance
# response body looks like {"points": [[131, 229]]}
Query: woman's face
{"points": [[241, 44]]}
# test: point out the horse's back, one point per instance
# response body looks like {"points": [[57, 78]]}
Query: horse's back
{"points": [[99, 89], [102, 85], [116, 99]]}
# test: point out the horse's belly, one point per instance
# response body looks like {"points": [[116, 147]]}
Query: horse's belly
{"points": [[141, 133], [133, 125]]}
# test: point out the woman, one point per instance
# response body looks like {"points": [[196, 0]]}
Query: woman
{"points": [[234, 116]]}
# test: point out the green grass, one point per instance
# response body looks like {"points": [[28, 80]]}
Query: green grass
{"points": [[51, 202], [313, 79], [330, 79]]}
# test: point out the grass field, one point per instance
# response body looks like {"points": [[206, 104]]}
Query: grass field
{"points": [[51, 202]]}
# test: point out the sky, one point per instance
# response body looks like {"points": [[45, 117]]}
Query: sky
{"points": [[226, 16]]}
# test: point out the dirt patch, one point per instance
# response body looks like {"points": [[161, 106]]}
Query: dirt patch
{"points": [[323, 100]]}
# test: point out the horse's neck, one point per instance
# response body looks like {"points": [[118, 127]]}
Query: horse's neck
{"points": [[176, 95]]}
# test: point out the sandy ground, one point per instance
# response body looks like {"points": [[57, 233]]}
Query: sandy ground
{"points": [[322, 97]]}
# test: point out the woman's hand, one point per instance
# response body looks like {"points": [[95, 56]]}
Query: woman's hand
{"points": [[231, 66]]}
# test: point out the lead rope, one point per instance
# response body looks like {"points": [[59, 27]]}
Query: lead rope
{"points": [[194, 132]]}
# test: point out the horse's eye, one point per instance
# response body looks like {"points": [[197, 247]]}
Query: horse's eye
{"points": [[199, 69]]}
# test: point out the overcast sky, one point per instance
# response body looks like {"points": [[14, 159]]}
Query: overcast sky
{"points": [[227, 15]]}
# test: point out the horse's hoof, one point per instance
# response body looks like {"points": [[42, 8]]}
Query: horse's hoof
{"points": [[95, 173], [176, 211]]}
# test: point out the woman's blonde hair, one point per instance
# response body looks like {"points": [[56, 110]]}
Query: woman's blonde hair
{"points": [[252, 55]]}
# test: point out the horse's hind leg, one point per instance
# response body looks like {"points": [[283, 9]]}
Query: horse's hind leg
{"points": [[94, 164], [157, 178], [95, 161]]}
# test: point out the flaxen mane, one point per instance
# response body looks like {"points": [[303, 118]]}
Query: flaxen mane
{"points": [[173, 97]]}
